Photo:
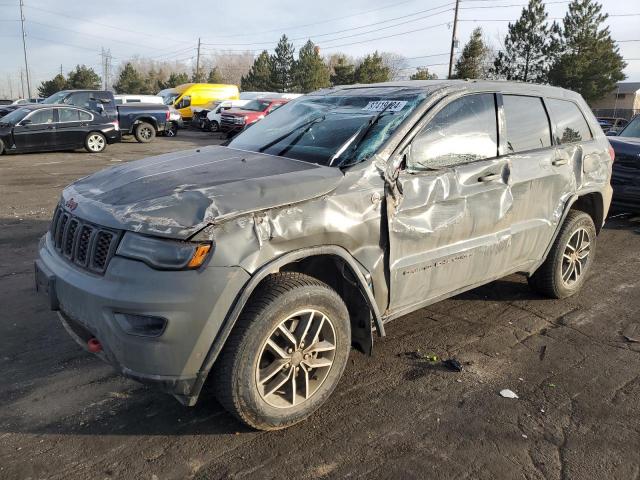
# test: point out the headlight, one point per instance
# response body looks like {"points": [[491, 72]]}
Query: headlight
{"points": [[162, 253]]}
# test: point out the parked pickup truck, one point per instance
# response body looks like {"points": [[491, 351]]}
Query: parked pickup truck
{"points": [[144, 121]]}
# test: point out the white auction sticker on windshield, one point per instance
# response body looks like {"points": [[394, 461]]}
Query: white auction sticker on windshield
{"points": [[380, 105]]}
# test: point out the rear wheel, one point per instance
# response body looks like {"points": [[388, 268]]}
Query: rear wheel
{"points": [[95, 142], [286, 354], [565, 270], [214, 126], [144, 132]]}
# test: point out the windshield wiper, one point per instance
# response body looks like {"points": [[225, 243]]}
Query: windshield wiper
{"points": [[307, 124], [360, 135]]}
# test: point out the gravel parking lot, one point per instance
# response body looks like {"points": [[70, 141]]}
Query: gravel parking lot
{"points": [[575, 365]]}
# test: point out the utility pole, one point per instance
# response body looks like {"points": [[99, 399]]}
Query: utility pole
{"points": [[453, 38], [198, 62], [24, 47], [61, 70], [21, 84]]}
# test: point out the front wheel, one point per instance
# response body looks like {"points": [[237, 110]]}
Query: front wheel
{"points": [[214, 126], [144, 132], [565, 270], [95, 142], [286, 353]]}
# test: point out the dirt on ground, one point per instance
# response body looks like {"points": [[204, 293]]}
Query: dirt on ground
{"points": [[574, 365]]}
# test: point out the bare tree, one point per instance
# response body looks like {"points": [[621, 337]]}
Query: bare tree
{"points": [[396, 63]]}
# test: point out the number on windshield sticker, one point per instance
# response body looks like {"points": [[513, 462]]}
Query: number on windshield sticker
{"points": [[379, 105]]}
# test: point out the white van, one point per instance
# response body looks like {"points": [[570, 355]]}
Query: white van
{"points": [[212, 122], [124, 99]]}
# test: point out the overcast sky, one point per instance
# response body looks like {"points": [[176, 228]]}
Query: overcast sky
{"points": [[69, 32]]}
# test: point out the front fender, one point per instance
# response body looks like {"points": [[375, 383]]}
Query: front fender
{"points": [[273, 267]]}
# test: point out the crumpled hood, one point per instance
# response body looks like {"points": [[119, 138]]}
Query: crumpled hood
{"points": [[177, 194]]}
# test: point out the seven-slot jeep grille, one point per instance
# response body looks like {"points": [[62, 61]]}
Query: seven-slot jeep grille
{"points": [[87, 245]]}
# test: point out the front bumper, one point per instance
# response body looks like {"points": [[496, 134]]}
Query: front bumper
{"points": [[195, 304]]}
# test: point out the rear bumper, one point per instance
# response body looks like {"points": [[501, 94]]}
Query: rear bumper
{"points": [[113, 136], [194, 303]]}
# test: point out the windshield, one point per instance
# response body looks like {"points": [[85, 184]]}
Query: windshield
{"points": [[256, 105], [338, 129], [169, 97], [56, 98], [631, 130], [15, 116]]}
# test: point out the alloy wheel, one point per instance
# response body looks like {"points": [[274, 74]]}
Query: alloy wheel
{"points": [[145, 132], [575, 257], [296, 359]]}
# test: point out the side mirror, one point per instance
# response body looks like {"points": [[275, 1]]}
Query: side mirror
{"points": [[24, 122]]}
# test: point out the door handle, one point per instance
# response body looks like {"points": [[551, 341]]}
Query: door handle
{"points": [[490, 177], [560, 162]]}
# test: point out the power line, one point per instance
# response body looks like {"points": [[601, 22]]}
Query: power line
{"points": [[351, 29]]}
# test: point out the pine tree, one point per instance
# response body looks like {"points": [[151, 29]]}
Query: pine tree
{"points": [[588, 61], [175, 79], [49, 87], [130, 81], [372, 70], [83, 77], [343, 72], [214, 76], [472, 61], [423, 74], [282, 66], [152, 83], [259, 76], [526, 47], [310, 72]]}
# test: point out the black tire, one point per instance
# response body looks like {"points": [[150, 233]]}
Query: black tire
{"points": [[548, 278], [236, 372], [172, 130], [95, 142], [1, 147], [214, 126], [144, 132]]}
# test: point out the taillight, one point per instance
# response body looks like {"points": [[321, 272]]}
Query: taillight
{"points": [[115, 124], [168, 114], [612, 153]]}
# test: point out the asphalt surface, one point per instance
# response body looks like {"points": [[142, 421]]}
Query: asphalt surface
{"points": [[575, 365]]}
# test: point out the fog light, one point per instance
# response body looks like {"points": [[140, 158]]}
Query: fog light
{"points": [[141, 325]]}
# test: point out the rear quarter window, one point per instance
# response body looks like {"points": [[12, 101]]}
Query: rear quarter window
{"points": [[570, 124], [527, 124]]}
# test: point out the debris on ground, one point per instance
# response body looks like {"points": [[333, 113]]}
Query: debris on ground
{"points": [[632, 333], [453, 364], [506, 393]]}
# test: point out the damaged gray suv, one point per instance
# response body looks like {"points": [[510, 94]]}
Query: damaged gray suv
{"points": [[257, 266]]}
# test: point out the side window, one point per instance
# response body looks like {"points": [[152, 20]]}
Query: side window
{"points": [[85, 116], [527, 123], [40, 117], [68, 115], [569, 121], [465, 130], [79, 99]]}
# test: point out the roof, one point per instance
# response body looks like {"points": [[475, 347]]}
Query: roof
{"points": [[429, 86], [627, 87]]}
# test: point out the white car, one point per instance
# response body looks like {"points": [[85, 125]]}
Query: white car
{"points": [[212, 122], [124, 99]]}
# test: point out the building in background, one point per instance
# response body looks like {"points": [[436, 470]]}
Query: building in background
{"points": [[623, 102]]}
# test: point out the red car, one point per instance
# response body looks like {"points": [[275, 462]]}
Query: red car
{"points": [[236, 119]]}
